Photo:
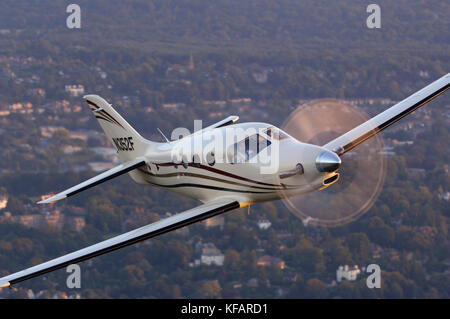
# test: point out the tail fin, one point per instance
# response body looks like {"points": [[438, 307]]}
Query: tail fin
{"points": [[125, 139]]}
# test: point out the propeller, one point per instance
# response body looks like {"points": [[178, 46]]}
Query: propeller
{"points": [[362, 170]]}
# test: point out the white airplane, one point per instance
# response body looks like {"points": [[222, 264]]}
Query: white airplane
{"points": [[221, 185]]}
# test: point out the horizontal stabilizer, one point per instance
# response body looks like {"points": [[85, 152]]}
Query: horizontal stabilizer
{"points": [[103, 177]]}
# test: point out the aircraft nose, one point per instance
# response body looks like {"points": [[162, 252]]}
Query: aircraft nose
{"points": [[327, 162]]}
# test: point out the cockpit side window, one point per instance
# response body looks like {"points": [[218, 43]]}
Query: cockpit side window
{"points": [[250, 147], [275, 133]]}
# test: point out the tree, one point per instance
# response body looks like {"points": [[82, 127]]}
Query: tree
{"points": [[23, 245], [347, 289], [15, 206], [411, 240], [340, 255], [381, 233], [103, 214], [211, 289], [298, 288], [359, 244], [232, 259], [176, 292], [306, 256], [315, 288], [134, 275]]}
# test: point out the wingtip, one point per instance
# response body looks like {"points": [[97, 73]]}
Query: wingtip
{"points": [[5, 284], [89, 96], [51, 199]]}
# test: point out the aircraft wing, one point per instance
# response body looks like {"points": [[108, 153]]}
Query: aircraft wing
{"points": [[152, 230], [366, 130], [103, 177]]}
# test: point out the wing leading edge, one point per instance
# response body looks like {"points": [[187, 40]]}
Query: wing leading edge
{"points": [[366, 130], [152, 230]]}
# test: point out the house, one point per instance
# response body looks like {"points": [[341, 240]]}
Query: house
{"points": [[6, 217], [48, 131], [348, 273], [69, 149], [55, 219], [424, 74], [260, 77], [402, 143], [36, 92], [83, 135], [444, 196], [242, 100], [3, 201], [108, 153], [264, 224], [30, 294], [235, 285], [175, 68], [417, 172], [289, 275], [215, 114], [253, 283], [77, 223], [387, 151], [377, 251], [183, 231], [218, 104], [173, 106], [211, 255], [75, 90], [100, 166], [217, 221], [269, 261], [284, 235], [32, 220]]}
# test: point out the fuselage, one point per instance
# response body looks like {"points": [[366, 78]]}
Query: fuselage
{"points": [[253, 162]]}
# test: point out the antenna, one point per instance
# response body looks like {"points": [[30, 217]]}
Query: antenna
{"points": [[167, 140]]}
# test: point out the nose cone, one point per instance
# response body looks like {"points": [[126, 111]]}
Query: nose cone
{"points": [[327, 162]]}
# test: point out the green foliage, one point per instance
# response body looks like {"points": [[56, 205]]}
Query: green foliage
{"points": [[15, 206], [211, 289], [103, 214], [380, 233]]}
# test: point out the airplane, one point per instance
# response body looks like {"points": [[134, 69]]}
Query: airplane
{"points": [[221, 185]]}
